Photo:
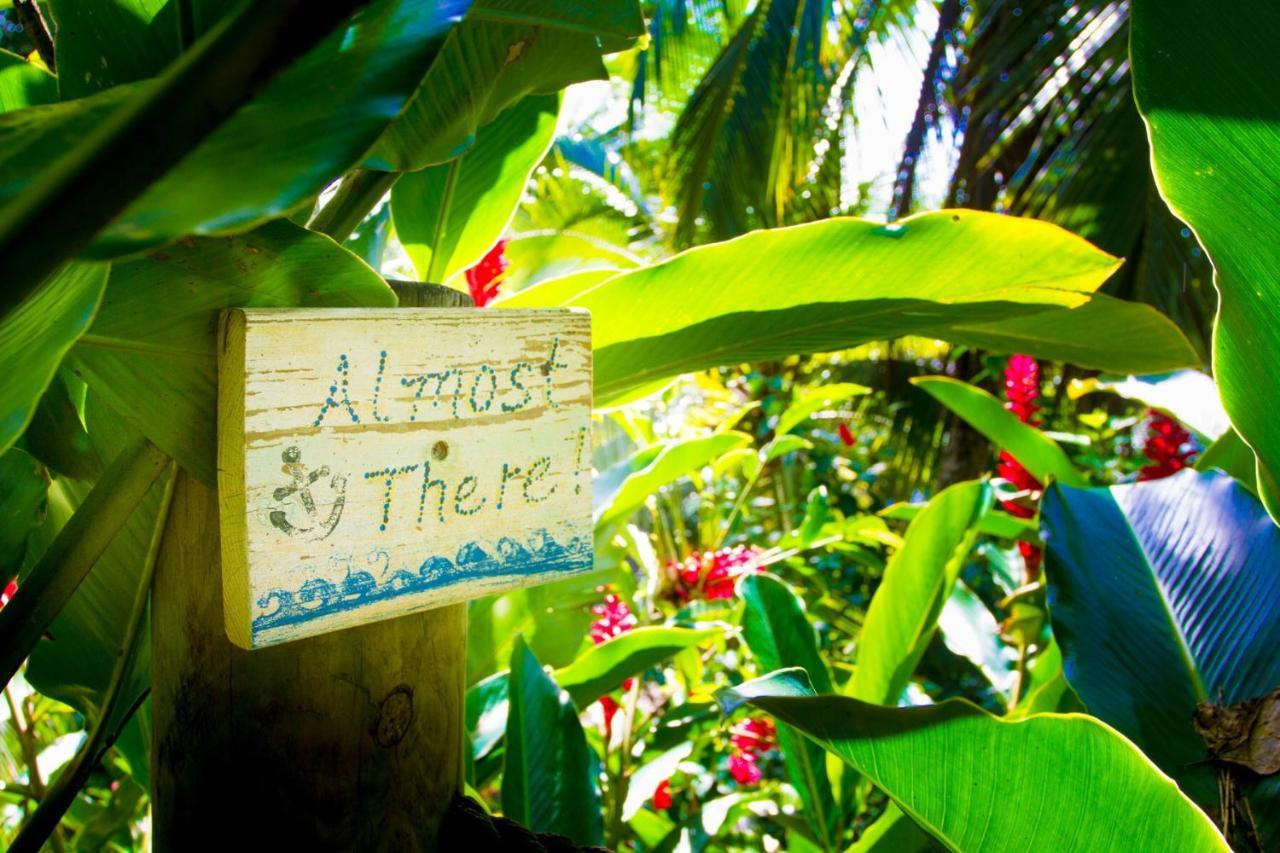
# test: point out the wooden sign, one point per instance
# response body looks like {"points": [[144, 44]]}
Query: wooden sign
{"points": [[377, 462]]}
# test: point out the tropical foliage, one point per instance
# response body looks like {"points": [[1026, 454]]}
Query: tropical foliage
{"points": [[933, 475]]}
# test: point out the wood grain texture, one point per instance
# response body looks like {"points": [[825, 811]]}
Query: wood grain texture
{"points": [[377, 462], [345, 741]]}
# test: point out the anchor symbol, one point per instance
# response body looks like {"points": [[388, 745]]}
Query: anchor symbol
{"points": [[299, 489]]}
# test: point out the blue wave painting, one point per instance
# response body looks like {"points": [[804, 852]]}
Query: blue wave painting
{"points": [[318, 597]]}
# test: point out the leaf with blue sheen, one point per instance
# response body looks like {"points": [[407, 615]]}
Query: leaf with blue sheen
{"points": [[549, 781], [1060, 782], [1164, 594], [1209, 98]]}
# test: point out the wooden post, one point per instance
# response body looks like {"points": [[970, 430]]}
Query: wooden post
{"points": [[345, 741]]}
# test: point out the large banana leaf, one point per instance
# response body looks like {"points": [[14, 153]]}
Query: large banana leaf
{"points": [[1165, 594], [100, 45], [311, 123], [502, 51], [1061, 782], [22, 507], [448, 216], [833, 284], [151, 352], [904, 611], [603, 668], [779, 635], [1037, 452], [35, 337], [549, 782], [1213, 113]]}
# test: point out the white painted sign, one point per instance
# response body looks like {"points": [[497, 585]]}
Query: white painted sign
{"points": [[377, 462]]}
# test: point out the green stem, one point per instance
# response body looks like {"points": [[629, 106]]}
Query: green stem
{"points": [[438, 264], [115, 712], [76, 549], [358, 194]]}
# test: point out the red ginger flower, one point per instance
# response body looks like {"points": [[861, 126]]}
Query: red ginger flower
{"points": [[1022, 390], [662, 796], [484, 279], [846, 435], [1169, 447], [750, 740], [10, 590], [711, 575], [615, 618]]}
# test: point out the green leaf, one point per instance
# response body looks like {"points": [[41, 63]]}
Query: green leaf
{"points": [[101, 44], [1231, 455], [603, 668], [814, 401], [1105, 333], [23, 84], [1037, 452], [674, 460], [151, 352], [502, 51], [893, 832], [448, 216], [73, 553], [1165, 594], [977, 782], [35, 337], [1213, 116], [904, 611], [22, 506], [549, 780], [486, 709], [646, 779], [994, 523], [210, 167], [833, 284], [779, 635]]}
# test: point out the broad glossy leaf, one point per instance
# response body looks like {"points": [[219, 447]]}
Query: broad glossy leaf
{"points": [[779, 636], [646, 779], [971, 631], [1104, 333], [151, 352], [35, 337], [22, 507], [310, 124], [486, 708], [1230, 454], [1213, 116], [1165, 594], [603, 668], [103, 44], [23, 84], [904, 611], [549, 781], [548, 267], [448, 216], [980, 783], [1037, 452], [893, 832], [674, 460], [502, 51], [833, 284]]}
